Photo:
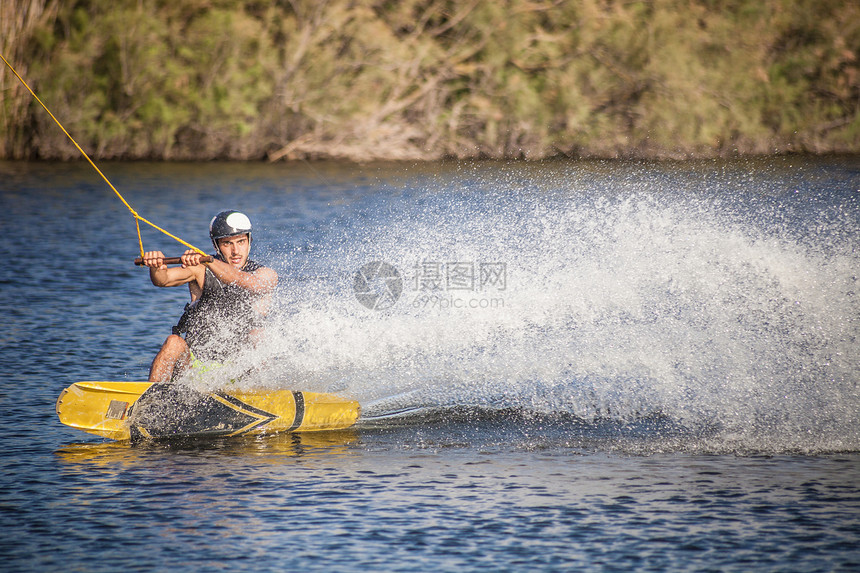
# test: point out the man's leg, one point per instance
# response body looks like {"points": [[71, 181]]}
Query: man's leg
{"points": [[173, 354]]}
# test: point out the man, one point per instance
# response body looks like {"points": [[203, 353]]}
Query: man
{"points": [[229, 296]]}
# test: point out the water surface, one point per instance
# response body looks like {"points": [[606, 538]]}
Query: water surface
{"points": [[599, 365]]}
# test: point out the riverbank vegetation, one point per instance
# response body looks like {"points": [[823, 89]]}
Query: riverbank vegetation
{"points": [[428, 79]]}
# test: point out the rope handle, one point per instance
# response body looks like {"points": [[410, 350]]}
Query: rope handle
{"points": [[174, 260]]}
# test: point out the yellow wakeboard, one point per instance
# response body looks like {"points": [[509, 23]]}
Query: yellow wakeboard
{"points": [[143, 410]]}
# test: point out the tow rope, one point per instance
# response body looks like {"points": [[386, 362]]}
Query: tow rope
{"points": [[137, 217]]}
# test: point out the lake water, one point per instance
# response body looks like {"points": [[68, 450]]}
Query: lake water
{"points": [[595, 366]]}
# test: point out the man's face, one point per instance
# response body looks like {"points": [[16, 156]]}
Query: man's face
{"points": [[235, 249]]}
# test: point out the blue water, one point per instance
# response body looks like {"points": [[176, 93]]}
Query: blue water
{"points": [[591, 365]]}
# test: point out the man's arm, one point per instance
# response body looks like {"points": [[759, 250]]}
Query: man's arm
{"points": [[262, 281]]}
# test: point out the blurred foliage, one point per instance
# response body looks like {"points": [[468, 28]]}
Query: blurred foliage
{"points": [[424, 79]]}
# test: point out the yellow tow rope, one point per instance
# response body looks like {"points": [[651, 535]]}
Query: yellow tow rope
{"points": [[137, 217]]}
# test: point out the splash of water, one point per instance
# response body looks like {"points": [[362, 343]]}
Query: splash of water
{"points": [[730, 313]]}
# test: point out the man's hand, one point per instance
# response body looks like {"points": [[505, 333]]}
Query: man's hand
{"points": [[191, 258], [154, 260]]}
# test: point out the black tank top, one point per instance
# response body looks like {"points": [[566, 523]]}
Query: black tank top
{"points": [[219, 322]]}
